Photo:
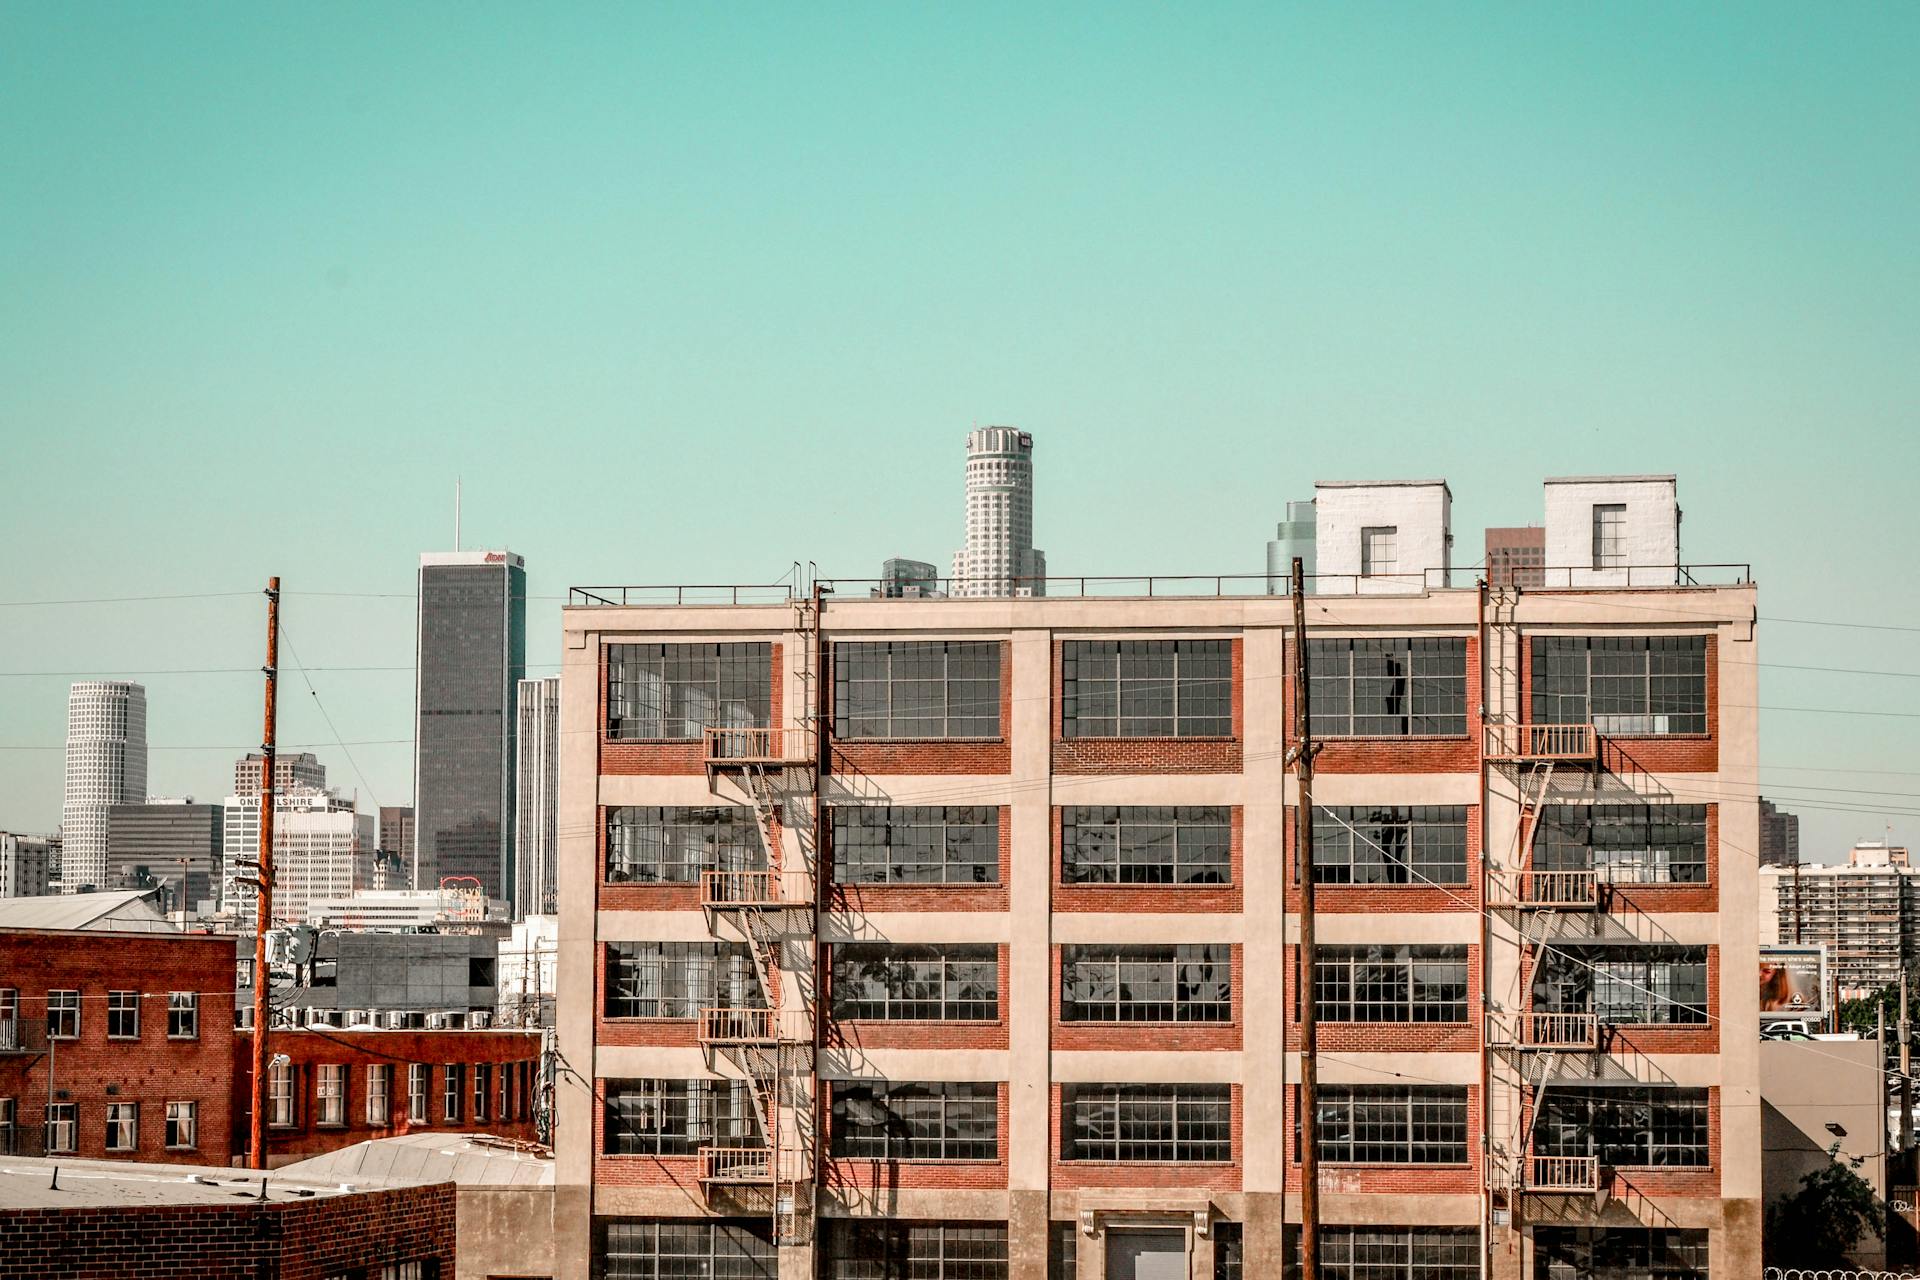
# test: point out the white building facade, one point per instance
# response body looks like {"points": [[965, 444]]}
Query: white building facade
{"points": [[537, 795], [999, 558], [106, 765], [322, 849]]}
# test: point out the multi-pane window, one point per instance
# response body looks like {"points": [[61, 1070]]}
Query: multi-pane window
{"points": [[280, 1094], [674, 1248], [453, 1091], [875, 844], [1189, 983], [1392, 1124], [1634, 1126], [1146, 844], [915, 1121], [1629, 686], [482, 1089], [9, 1126], [63, 1015], [9, 1018], [123, 1126], [1625, 843], [1609, 535], [896, 1250], [1391, 1253], [379, 1094], [62, 1128], [651, 845], [419, 1082], [679, 979], [916, 689], [1419, 844], [183, 1125], [936, 982], [1147, 1122], [330, 1093], [1378, 556], [1391, 982], [677, 1117], [1625, 986], [1229, 1251], [1063, 1250], [1147, 688], [1389, 687], [183, 1015], [123, 1015], [1619, 1253], [424, 1269], [675, 691]]}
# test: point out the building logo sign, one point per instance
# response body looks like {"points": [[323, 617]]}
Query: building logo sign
{"points": [[496, 557]]}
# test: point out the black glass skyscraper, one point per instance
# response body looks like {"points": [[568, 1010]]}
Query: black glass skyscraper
{"points": [[470, 656]]}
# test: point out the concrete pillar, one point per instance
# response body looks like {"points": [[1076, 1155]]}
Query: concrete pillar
{"points": [[1029, 956]]}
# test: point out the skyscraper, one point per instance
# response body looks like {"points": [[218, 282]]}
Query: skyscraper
{"points": [[1779, 835], [292, 771], [1294, 536], [469, 659], [173, 842], [106, 765], [999, 558], [1516, 557], [536, 796]]}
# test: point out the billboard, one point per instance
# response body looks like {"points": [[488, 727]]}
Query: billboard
{"points": [[1793, 982]]}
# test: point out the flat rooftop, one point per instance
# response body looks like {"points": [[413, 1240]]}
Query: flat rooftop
{"points": [[29, 1182]]}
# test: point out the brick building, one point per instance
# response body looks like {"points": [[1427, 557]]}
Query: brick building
{"points": [[78, 1219], [338, 1087], [116, 1045], [958, 937]]}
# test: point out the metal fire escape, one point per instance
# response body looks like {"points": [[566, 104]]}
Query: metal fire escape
{"points": [[775, 770]]}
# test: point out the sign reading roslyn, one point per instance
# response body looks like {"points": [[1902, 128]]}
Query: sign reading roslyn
{"points": [[1793, 981]]}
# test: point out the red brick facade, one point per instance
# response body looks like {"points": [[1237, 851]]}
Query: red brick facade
{"points": [[1148, 755]]}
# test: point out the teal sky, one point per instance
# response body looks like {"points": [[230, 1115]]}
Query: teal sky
{"points": [[688, 292]]}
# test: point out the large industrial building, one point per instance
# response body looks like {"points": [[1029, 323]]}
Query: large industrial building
{"points": [[957, 938]]}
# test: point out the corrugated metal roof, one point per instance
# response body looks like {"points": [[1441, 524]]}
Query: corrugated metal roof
{"points": [[125, 911], [29, 1183], [468, 1160]]}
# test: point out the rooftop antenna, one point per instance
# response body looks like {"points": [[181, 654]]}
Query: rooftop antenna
{"points": [[456, 513]]}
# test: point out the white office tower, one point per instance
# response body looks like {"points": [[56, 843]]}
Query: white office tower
{"points": [[999, 558], [322, 849], [106, 765], [537, 793]]}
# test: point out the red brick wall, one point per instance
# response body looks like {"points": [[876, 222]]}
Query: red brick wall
{"points": [[1147, 755], [1675, 897], [1403, 755], [1174, 1036], [1665, 753], [357, 1050], [867, 1033], [902, 757], [870, 1174], [681, 1033], [1391, 1179], [1153, 898], [861, 899], [1385, 899], [291, 1240], [1075, 1175], [151, 1071], [1389, 1037]]}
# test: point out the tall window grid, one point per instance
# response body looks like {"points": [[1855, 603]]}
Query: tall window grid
{"points": [[1391, 982], [1389, 687], [898, 844], [654, 845], [916, 689], [330, 1093], [1630, 1127], [1146, 844], [1413, 845], [678, 691], [123, 1015], [453, 1091], [1609, 535], [1156, 1123], [280, 1095], [62, 1135], [1629, 686], [183, 1015], [1392, 1124], [1147, 689], [931, 982], [419, 1082], [896, 1250], [1657, 986], [678, 979], [1625, 843], [1378, 557], [1391, 1253], [123, 1126], [379, 1094], [916, 1121], [1188, 983], [642, 1249], [63, 1015], [678, 1117]]}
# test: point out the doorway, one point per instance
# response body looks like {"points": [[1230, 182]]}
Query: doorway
{"points": [[1146, 1255]]}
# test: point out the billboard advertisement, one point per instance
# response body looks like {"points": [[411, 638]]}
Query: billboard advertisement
{"points": [[1793, 982]]}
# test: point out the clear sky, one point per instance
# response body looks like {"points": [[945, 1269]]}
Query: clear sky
{"points": [[688, 292]]}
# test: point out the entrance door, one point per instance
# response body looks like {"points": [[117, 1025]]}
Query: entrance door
{"points": [[1146, 1255]]}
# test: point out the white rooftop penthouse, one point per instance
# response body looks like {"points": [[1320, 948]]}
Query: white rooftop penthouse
{"points": [[1612, 531], [1390, 537]]}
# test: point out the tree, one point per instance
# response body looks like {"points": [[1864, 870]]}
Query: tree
{"points": [[1862, 1017], [1818, 1224]]}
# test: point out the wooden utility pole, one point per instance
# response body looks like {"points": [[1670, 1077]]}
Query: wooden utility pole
{"points": [[1303, 753], [263, 890]]}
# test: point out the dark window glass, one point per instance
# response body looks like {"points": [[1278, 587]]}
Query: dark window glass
{"points": [[678, 979], [677, 1117], [1392, 687], [1159, 1123], [677, 691], [1629, 1127], [1391, 982], [1146, 844], [904, 845], [1619, 1253], [1146, 983], [1628, 686], [1063, 1251], [681, 1248], [945, 982], [1147, 688], [1228, 1251], [673, 846], [895, 1250], [1391, 1253], [1391, 1124], [1624, 985], [913, 1121], [1625, 843], [916, 689], [1424, 845]]}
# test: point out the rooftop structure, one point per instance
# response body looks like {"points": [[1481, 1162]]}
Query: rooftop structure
{"points": [[1517, 557], [1295, 536], [1383, 538], [292, 771], [115, 911]]}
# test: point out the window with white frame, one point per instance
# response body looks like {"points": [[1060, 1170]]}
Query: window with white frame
{"points": [[419, 1082], [482, 1086], [453, 1091], [183, 1015], [123, 1015], [9, 1127], [63, 1015], [1609, 535], [330, 1093], [62, 1128], [280, 1095], [123, 1126], [379, 1094], [9, 1018], [183, 1125], [1379, 557]]}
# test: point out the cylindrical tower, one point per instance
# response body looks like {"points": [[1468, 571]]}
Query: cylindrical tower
{"points": [[998, 558], [106, 765]]}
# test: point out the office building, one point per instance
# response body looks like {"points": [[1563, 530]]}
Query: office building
{"points": [[999, 557], [1516, 557], [1052, 1026], [527, 972], [106, 765], [26, 864], [907, 579], [322, 848], [396, 832], [292, 771], [1779, 835], [171, 843], [470, 658], [1865, 912], [1294, 537], [536, 794]]}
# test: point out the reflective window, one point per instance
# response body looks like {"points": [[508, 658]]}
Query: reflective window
{"points": [[1628, 686], [1634, 1126], [1422, 845], [678, 691], [1390, 687], [1147, 1122], [1192, 983], [651, 845], [904, 845], [1392, 1124], [679, 979], [945, 982], [1625, 843], [1146, 844], [914, 1121], [916, 689], [894, 1250], [681, 1248], [1391, 982], [677, 1117], [1147, 689]]}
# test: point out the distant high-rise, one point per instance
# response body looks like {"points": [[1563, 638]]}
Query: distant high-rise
{"points": [[1294, 537], [322, 848], [907, 579], [106, 765], [1779, 836], [537, 796], [396, 832], [1517, 557], [167, 842], [469, 659], [292, 771], [999, 558], [26, 864]]}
